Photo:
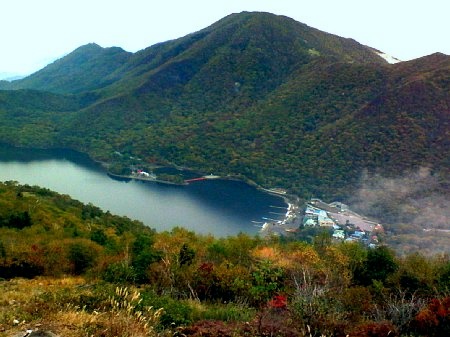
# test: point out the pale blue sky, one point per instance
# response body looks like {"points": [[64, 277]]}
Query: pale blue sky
{"points": [[35, 32]]}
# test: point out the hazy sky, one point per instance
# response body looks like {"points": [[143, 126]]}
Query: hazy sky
{"points": [[35, 32]]}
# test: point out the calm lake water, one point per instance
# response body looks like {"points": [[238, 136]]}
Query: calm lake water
{"points": [[219, 207]]}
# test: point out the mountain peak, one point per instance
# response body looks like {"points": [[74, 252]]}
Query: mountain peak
{"points": [[91, 45], [255, 37], [255, 95], [294, 34]]}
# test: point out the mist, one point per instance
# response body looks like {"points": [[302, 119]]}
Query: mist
{"points": [[414, 207], [417, 198]]}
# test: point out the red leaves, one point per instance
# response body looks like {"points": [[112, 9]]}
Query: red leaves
{"points": [[375, 329], [278, 302], [435, 319]]}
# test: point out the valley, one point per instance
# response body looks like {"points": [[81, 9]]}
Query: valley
{"points": [[257, 177], [309, 123], [257, 97]]}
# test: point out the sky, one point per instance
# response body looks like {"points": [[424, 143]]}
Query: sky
{"points": [[36, 32]]}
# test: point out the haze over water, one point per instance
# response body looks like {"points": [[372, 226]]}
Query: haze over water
{"points": [[219, 207]]}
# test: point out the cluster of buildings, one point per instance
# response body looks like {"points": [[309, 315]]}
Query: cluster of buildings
{"points": [[343, 223], [346, 224], [316, 217]]}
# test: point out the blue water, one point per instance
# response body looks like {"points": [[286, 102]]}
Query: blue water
{"points": [[219, 207]]}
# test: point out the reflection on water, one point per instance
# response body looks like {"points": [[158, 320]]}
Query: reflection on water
{"points": [[219, 207]]}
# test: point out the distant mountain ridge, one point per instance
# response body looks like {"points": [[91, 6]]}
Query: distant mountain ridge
{"points": [[84, 69], [93, 64], [10, 77], [253, 95]]}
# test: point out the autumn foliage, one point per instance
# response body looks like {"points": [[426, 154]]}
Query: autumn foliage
{"points": [[434, 320], [207, 286]]}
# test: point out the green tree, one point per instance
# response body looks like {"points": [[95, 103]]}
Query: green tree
{"points": [[99, 236], [186, 255], [267, 281], [18, 220], [379, 265], [83, 255], [143, 255]]}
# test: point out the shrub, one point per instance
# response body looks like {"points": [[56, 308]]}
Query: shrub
{"points": [[82, 254], [119, 273], [434, 320], [176, 312], [20, 269], [17, 220], [374, 329]]}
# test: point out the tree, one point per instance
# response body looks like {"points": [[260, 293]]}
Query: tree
{"points": [[99, 236], [186, 255], [356, 254], [380, 263], [82, 254], [18, 220], [143, 255], [267, 281]]}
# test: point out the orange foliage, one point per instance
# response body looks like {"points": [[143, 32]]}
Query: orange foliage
{"points": [[435, 319], [374, 329], [267, 253]]}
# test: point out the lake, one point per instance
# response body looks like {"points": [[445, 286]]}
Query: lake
{"points": [[219, 207]]}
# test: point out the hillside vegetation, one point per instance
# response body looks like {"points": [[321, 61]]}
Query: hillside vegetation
{"points": [[263, 98], [86, 272], [84, 69], [255, 95]]}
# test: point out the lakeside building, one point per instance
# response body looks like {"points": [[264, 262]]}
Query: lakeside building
{"points": [[347, 225], [344, 224]]}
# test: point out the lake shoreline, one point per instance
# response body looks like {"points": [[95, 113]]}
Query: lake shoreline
{"points": [[103, 167], [292, 201], [287, 198], [142, 178]]}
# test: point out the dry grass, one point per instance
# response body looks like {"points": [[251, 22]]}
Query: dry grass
{"points": [[16, 300], [123, 317], [54, 304], [23, 289], [45, 304]]}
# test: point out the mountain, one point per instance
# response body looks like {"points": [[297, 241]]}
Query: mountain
{"points": [[85, 69], [254, 95], [8, 77], [245, 38]]}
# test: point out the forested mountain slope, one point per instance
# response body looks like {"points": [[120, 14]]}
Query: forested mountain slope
{"points": [[237, 42], [254, 95], [86, 68]]}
